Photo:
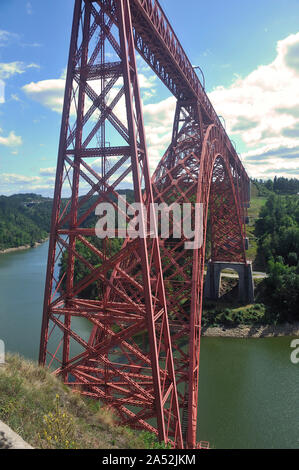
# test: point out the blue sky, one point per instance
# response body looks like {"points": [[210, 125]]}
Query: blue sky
{"points": [[249, 52]]}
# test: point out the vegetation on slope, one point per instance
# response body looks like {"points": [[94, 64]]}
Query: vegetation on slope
{"points": [[274, 248], [47, 414], [218, 314], [279, 185], [93, 291], [24, 220], [278, 250]]}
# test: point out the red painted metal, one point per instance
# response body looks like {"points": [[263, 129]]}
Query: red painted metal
{"points": [[137, 380], [153, 384], [201, 170]]}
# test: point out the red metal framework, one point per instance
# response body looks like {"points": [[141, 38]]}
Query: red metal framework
{"points": [[137, 346], [201, 170], [137, 380]]}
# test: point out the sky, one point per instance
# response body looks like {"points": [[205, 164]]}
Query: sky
{"points": [[249, 54]]}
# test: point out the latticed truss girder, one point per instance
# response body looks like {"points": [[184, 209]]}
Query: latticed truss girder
{"points": [[196, 168], [136, 345], [102, 104], [215, 183]]}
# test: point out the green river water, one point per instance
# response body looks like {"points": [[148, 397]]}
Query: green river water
{"points": [[249, 389]]}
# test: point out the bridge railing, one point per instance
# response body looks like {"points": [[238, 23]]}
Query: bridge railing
{"points": [[153, 12]]}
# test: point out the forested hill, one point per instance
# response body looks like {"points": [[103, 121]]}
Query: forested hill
{"points": [[279, 185], [24, 220]]}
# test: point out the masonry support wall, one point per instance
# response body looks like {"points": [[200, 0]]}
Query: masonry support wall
{"points": [[213, 279]]}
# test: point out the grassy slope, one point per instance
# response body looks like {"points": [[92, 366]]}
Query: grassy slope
{"points": [[229, 314], [38, 406]]}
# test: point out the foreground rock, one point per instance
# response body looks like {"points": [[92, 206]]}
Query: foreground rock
{"points": [[10, 440]]}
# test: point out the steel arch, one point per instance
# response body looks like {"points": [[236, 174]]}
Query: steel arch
{"points": [[155, 286], [137, 380], [210, 179]]}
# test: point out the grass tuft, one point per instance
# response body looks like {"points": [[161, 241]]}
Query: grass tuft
{"points": [[47, 414]]}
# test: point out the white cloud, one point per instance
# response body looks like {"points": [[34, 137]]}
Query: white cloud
{"points": [[12, 183], [158, 118], [263, 108], [6, 37], [13, 178], [29, 8], [271, 160], [49, 93], [147, 83], [33, 44], [47, 171], [12, 140], [2, 93], [32, 66], [9, 69]]}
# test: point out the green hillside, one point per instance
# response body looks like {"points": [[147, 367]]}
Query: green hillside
{"points": [[49, 415], [24, 220]]}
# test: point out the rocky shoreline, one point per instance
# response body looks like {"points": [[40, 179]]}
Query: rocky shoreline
{"points": [[253, 331], [23, 247]]}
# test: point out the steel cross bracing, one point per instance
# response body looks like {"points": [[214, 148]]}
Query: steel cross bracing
{"points": [[152, 384], [159, 46], [200, 165], [137, 380], [195, 170]]}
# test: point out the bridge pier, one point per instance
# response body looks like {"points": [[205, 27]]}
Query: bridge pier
{"points": [[213, 278]]}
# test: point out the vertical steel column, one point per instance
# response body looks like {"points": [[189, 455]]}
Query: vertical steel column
{"points": [[131, 79], [145, 381], [58, 183]]}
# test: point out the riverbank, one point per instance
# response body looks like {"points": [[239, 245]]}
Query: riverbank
{"points": [[253, 331], [23, 247]]}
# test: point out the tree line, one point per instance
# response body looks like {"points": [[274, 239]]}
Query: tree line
{"points": [[277, 230], [279, 185], [24, 220]]}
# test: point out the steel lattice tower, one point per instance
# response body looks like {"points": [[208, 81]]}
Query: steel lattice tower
{"points": [[149, 288], [144, 385]]}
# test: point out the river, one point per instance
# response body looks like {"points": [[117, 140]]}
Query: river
{"points": [[249, 389]]}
